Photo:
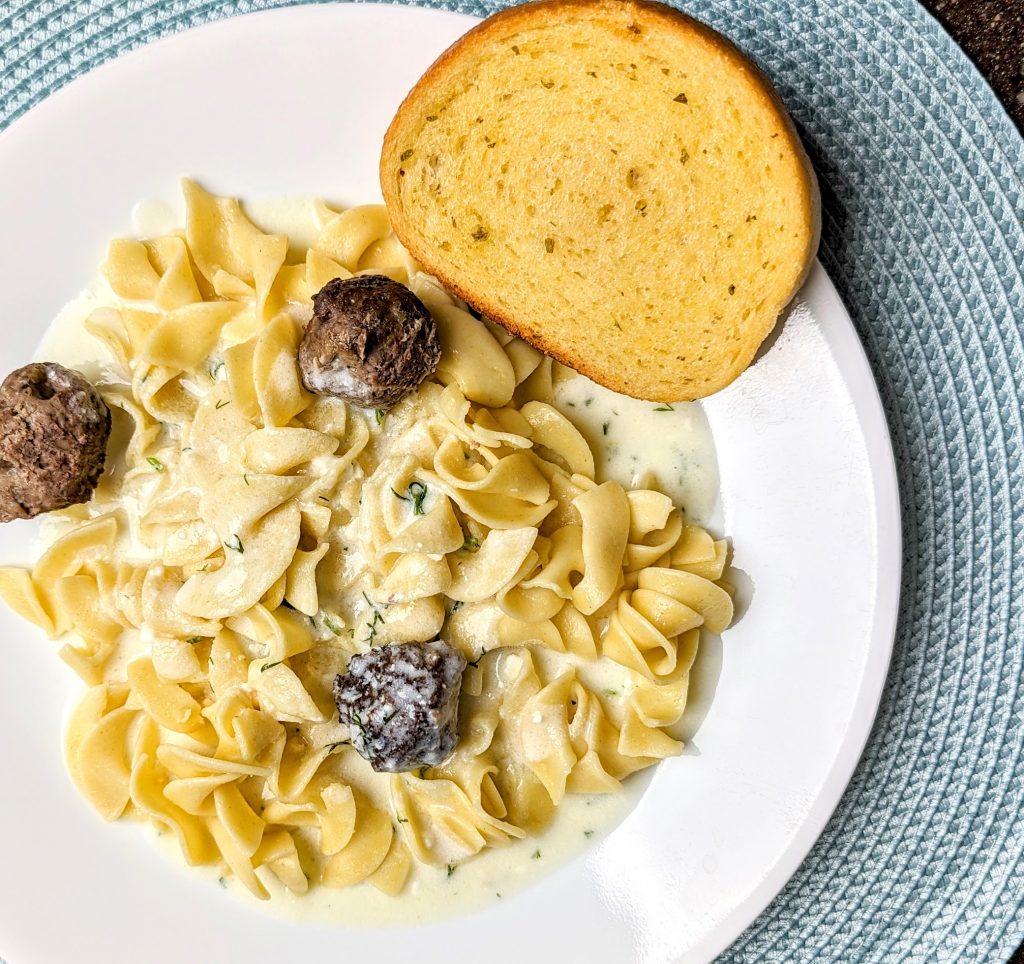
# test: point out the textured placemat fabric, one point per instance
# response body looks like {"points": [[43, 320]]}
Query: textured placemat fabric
{"points": [[921, 175]]}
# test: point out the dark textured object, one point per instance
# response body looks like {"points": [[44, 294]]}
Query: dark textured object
{"points": [[992, 35], [53, 437], [371, 341], [401, 704]]}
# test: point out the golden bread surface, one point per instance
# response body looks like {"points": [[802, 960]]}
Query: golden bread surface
{"points": [[612, 181]]}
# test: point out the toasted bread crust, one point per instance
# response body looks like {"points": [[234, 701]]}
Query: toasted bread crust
{"points": [[643, 14]]}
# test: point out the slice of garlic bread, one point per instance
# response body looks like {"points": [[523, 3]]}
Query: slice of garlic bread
{"points": [[612, 181]]}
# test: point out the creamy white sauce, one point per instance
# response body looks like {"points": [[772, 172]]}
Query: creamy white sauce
{"points": [[432, 893], [645, 444], [636, 443]]}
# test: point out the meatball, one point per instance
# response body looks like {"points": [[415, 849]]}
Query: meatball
{"points": [[53, 437], [401, 704], [371, 341]]}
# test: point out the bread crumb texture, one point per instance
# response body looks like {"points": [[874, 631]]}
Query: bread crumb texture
{"points": [[613, 182]]}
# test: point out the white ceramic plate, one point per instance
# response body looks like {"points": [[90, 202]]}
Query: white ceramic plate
{"points": [[297, 101]]}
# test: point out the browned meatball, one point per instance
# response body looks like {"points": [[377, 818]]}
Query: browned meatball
{"points": [[371, 341], [401, 704], [53, 437]]}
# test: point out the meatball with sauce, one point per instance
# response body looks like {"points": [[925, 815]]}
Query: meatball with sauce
{"points": [[53, 437], [371, 341], [401, 704]]}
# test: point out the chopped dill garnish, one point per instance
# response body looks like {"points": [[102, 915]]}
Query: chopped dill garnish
{"points": [[267, 666], [418, 492], [235, 544], [158, 466]]}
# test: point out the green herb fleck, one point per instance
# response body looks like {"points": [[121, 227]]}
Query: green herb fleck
{"points": [[471, 544], [373, 623], [456, 606], [571, 404], [378, 415], [324, 498], [497, 895], [611, 692], [402, 819], [418, 492], [535, 855], [158, 466], [219, 405], [245, 477], [332, 626], [398, 495], [214, 369], [222, 882], [331, 747], [604, 428], [267, 666], [476, 662], [588, 402], [588, 834], [665, 408], [192, 640], [451, 869], [422, 773], [235, 544]]}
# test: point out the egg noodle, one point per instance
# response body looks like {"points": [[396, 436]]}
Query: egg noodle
{"points": [[248, 538]]}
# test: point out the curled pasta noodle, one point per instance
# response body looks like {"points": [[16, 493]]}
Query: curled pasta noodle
{"points": [[604, 511], [252, 537]]}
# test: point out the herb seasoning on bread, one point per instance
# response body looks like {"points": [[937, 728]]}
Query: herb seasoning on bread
{"points": [[612, 181]]}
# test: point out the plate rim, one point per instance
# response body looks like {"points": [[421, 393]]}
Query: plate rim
{"points": [[880, 457]]}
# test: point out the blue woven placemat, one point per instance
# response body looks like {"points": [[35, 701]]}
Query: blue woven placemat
{"points": [[921, 179]]}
